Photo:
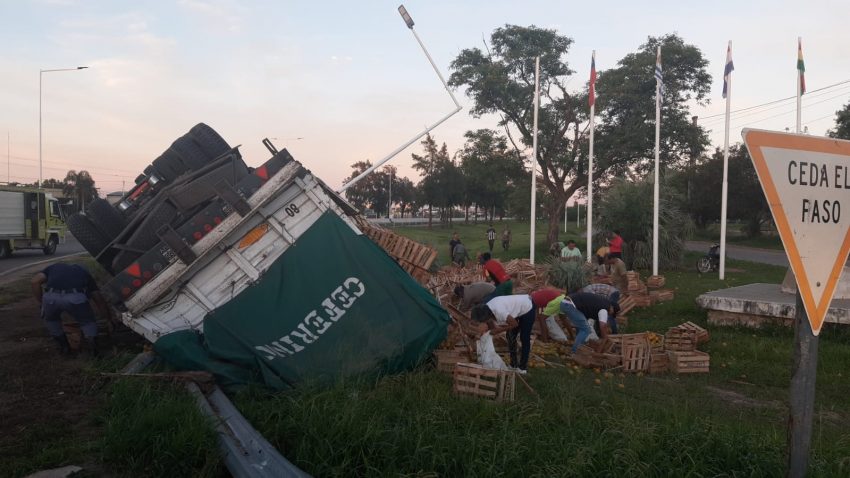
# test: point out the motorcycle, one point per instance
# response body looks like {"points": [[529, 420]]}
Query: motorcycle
{"points": [[711, 261]]}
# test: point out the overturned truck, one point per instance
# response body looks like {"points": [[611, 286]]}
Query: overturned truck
{"points": [[256, 274]]}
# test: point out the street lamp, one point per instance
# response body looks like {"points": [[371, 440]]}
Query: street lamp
{"points": [[40, 75]]}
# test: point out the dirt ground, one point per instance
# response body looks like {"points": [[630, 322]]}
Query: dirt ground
{"points": [[42, 390]]}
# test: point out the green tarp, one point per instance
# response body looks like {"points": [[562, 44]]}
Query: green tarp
{"points": [[333, 305]]}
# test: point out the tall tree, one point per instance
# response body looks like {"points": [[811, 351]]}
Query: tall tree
{"points": [[490, 168], [442, 183], [404, 193], [371, 191], [842, 124], [80, 186], [627, 107], [501, 81], [745, 199]]}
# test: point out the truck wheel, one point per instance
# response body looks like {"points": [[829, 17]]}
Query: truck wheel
{"points": [[209, 141], [50, 248], [190, 153], [106, 218], [169, 165], [85, 231], [5, 249]]}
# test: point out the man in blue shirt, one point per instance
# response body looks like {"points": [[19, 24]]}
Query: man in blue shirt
{"points": [[67, 288]]}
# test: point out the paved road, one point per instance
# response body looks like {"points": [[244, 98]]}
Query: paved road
{"points": [[24, 257], [752, 254]]}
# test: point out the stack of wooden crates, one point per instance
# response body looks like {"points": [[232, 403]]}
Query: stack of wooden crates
{"points": [[681, 344]]}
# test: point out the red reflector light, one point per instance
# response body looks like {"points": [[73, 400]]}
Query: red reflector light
{"points": [[135, 270], [262, 173]]}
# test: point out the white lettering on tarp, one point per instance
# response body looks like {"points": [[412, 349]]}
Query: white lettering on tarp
{"points": [[317, 322]]}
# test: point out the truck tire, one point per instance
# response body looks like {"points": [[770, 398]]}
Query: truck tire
{"points": [[209, 141], [50, 248], [106, 218], [5, 249], [169, 165], [85, 231], [140, 178], [190, 152]]}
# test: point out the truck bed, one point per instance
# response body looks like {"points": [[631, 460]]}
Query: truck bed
{"points": [[232, 256]]}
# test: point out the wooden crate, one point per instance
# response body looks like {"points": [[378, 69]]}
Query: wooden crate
{"points": [[446, 359], [478, 381], [698, 332], [655, 282], [688, 362], [659, 362], [661, 295], [634, 350], [627, 303], [679, 340], [641, 300]]}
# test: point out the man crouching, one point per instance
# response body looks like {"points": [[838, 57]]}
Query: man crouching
{"points": [[514, 314]]}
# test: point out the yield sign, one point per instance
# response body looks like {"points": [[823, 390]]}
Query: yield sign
{"points": [[806, 180]]}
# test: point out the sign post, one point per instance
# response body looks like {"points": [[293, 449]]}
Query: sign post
{"points": [[806, 180]]}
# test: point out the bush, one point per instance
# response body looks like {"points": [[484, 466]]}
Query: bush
{"points": [[627, 207], [569, 275]]}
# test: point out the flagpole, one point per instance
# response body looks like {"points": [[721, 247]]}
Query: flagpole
{"points": [[534, 157], [725, 192], [590, 162], [799, 90], [655, 189], [565, 216]]}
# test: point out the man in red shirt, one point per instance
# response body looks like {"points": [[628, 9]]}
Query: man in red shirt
{"points": [[495, 272], [615, 243]]}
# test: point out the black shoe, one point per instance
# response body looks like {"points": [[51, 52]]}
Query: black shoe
{"points": [[91, 344], [64, 346]]}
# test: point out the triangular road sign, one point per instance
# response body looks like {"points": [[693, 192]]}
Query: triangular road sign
{"points": [[806, 180]]}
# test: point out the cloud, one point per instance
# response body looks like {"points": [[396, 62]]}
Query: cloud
{"points": [[341, 60], [221, 13]]}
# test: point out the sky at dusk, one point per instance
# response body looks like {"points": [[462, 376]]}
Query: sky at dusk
{"points": [[337, 82]]}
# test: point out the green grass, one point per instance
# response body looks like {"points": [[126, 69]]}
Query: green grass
{"points": [[474, 236], [731, 422], [154, 429]]}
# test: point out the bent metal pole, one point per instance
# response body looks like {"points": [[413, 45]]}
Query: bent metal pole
{"points": [[409, 21]]}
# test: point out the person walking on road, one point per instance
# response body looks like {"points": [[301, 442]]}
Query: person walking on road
{"points": [[491, 237], [63, 287]]}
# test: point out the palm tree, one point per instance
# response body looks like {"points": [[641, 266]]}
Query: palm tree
{"points": [[80, 186]]}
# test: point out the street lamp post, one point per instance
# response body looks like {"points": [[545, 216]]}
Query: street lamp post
{"points": [[40, 75]]}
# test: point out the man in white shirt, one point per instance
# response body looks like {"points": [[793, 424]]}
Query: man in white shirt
{"points": [[514, 314]]}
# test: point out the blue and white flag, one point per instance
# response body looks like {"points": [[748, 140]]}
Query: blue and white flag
{"points": [[659, 78], [727, 72]]}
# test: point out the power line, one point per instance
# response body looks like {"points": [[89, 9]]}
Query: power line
{"points": [[777, 101], [717, 121]]}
